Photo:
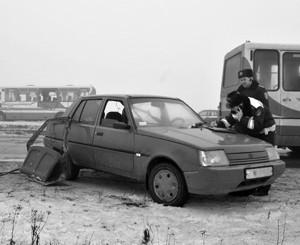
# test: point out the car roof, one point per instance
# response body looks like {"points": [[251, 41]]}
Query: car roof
{"points": [[130, 96], [208, 110]]}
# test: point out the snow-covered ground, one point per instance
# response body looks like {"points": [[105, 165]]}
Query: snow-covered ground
{"points": [[99, 208], [103, 209]]}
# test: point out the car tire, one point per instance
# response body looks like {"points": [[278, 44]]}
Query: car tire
{"points": [[167, 185], [71, 170]]}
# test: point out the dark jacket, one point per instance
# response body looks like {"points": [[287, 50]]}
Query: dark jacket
{"points": [[255, 91], [256, 119]]}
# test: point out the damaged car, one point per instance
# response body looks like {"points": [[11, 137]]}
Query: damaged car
{"points": [[164, 143]]}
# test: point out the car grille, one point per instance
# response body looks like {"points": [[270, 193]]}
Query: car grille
{"points": [[247, 157]]}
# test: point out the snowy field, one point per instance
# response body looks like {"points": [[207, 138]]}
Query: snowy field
{"points": [[99, 208]]}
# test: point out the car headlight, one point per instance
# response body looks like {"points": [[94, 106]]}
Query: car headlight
{"points": [[213, 158], [272, 153]]}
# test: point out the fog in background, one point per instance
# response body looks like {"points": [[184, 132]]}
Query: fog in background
{"points": [[161, 47]]}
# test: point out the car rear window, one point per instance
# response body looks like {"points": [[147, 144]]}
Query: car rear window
{"points": [[87, 111]]}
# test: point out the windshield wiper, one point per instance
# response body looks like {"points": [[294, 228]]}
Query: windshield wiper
{"points": [[215, 129]]}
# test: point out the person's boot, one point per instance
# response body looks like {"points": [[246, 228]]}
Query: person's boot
{"points": [[262, 190]]}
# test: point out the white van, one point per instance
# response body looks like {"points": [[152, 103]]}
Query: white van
{"points": [[277, 68]]}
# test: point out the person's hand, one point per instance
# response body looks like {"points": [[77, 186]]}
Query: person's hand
{"points": [[213, 124], [238, 115]]}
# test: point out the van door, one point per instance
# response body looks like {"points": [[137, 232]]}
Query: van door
{"points": [[290, 95], [266, 69]]}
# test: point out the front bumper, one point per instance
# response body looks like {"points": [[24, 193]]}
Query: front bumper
{"points": [[223, 180]]}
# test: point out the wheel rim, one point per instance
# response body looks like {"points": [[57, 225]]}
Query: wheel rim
{"points": [[165, 185]]}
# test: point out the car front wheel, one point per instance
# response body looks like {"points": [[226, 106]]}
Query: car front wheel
{"points": [[167, 186]]}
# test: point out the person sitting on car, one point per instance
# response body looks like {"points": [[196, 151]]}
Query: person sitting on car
{"points": [[249, 116]]}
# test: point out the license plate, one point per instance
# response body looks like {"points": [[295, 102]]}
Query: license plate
{"points": [[254, 173]]}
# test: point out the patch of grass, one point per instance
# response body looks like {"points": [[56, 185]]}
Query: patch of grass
{"points": [[38, 221]]}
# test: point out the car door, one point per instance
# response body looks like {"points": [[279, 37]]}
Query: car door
{"points": [[81, 132], [114, 147]]}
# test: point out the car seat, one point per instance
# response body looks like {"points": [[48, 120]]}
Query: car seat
{"points": [[114, 115]]}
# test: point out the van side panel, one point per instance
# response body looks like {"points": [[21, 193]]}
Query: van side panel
{"points": [[277, 68]]}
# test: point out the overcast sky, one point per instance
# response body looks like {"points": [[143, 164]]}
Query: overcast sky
{"points": [[162, 47]]}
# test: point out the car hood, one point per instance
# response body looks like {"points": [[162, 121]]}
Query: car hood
{"points": [[205, 138]]}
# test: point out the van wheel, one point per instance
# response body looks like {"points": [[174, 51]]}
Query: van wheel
{"points": [[2, 116], [71, 170], [167, 186]]}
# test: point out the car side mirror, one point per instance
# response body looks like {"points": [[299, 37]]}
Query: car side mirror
{"points": [[121, 125]]}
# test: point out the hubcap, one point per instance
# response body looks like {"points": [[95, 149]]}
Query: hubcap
{"points": [[165, 185]]}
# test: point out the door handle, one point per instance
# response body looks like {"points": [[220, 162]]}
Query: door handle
{"points": [[99, 133]]}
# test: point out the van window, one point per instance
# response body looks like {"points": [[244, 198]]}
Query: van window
{"points": [[291, 71], [231, 68], [11, 95], [266, 63]]}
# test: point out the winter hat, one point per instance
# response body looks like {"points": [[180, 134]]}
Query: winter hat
{"points": [[234, 99], [245, 73]]}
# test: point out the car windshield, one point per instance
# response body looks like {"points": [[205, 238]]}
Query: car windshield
{"points": [[158, 112]]}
